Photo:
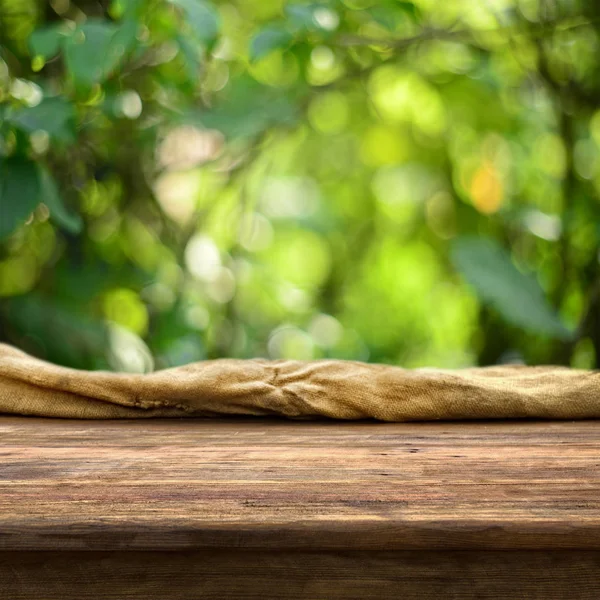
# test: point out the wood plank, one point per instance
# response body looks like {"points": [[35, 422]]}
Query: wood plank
{"points": [[255, 483], [270, 575]]}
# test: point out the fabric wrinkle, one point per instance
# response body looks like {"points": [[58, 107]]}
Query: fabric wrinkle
{"points": [[328, 388]]}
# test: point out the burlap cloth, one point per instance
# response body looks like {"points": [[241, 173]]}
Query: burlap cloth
{"points": [[324, 388]]}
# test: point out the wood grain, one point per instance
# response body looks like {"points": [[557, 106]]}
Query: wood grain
{"points": [[270, 575], [262, 484]]}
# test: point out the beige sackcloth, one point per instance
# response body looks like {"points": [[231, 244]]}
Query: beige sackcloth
{"points": [[334, 389]]}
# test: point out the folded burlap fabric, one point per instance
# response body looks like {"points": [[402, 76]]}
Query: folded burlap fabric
{"points": [[334, 389]]}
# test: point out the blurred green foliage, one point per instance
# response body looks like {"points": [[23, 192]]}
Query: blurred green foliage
{"points": [[406, 182]]}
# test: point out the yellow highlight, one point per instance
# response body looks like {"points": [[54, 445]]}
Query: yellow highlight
{"points": [[487, 190]]}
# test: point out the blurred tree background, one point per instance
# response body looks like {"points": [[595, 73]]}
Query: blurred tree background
{"points": [[413, 183]]}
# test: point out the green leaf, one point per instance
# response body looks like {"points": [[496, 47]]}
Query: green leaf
{"points": [[191, 53], [121, 44], [19, 193], [120, 9], [54, 115], [267, 40], [516, 296], [301, 17], [411, 9], [92, 50], [46, 41], [386, 16], [87, 52], [248, 109], [202, 17], [391, 14], [52, 198], [50, 321]]}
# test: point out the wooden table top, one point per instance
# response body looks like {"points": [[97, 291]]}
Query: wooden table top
{"points": [[258, 483]]}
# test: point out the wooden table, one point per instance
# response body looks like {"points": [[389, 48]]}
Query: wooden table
{"points": [[262, 509]]}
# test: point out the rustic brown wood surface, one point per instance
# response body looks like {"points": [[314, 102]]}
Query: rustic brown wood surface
{"points": [[263, 509], [274, 575], [249, 483]]}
